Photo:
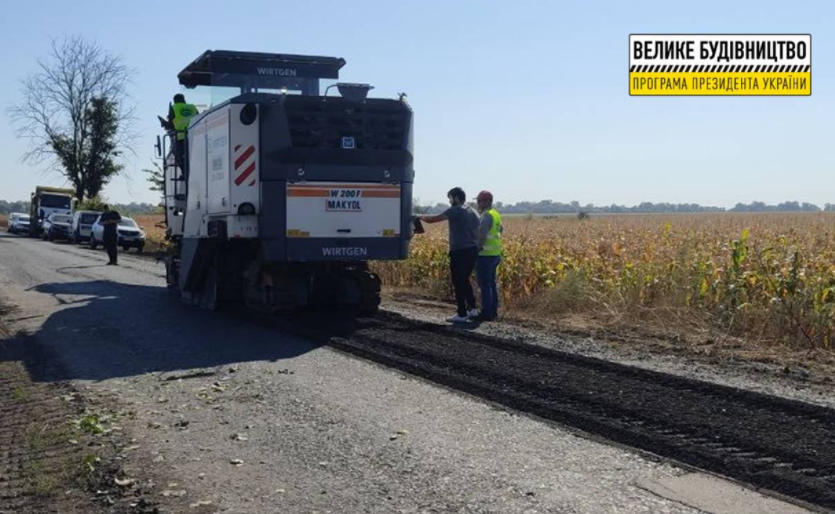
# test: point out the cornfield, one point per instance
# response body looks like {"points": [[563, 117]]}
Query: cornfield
{"points": [[765, 277], [154, 231]]}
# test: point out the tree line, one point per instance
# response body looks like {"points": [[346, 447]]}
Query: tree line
{"points": [[543, 207], [552, 207], [130, 209]]}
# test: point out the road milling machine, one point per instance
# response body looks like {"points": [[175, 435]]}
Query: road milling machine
{"points": [[287, 191]]}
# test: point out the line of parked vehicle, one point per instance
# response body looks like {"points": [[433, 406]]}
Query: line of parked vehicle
{"points": [[18, 223], [80, 228]]}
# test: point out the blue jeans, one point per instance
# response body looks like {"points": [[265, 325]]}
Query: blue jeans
{"points": [[486, 271]]}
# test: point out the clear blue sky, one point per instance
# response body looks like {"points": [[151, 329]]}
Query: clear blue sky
{"points": [[527, 99]]}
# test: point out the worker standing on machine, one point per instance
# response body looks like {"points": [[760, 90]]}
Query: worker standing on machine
{"points": [[463, 250], [180, 114], [489, 255], [110, 219]]}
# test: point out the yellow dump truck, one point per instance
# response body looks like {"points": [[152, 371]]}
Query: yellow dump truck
{"points": [[47, 200]]}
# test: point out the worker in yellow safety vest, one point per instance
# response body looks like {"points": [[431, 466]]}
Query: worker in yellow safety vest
{"points": [[180, 114], [489, 255]]}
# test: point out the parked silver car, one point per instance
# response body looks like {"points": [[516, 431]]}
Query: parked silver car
{"points": [[128, 232], [18, 223], [82, 225]]}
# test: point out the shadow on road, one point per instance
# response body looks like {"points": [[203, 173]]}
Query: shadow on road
{"points": [[110, 329]]}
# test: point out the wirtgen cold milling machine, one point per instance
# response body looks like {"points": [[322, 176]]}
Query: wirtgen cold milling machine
{"points": [[287, 192]]}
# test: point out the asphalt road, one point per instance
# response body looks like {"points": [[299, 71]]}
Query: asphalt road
{"points": [[315, 430]]}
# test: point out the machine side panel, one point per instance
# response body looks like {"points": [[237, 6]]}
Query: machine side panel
{"points": [[406, 218], [188, 249], [408, 192], [245, 176], [355, 166], [217, 161], [272, 223], [196, 207], [238, 226], [197, 258]]}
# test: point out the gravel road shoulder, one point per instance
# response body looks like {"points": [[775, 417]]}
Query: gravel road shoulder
{"points": [[57, 445]]}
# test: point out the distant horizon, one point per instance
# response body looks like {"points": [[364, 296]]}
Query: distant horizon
{"points": [[648, 202], [552, 207], [556, 207], [419, 201]]}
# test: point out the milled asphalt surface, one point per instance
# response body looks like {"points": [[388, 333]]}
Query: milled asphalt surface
{"points": [[316, 431], [766, 378]]}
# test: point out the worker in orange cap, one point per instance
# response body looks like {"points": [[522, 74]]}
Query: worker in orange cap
{"points": [[489, 255]]}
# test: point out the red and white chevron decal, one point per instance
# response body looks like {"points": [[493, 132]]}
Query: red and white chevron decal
{"points": [[245, 163]]}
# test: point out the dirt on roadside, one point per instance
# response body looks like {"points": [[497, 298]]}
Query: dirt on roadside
{"points": [[58, 452]]}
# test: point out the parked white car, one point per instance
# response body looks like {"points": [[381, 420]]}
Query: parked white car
{"points": [[128, 232], [18, 223], [82, 225], [56, 226]]}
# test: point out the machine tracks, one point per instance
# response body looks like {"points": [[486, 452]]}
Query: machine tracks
{"points": [[780, 445]]}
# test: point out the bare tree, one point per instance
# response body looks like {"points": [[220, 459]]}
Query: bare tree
{"points": [[156, 179], [55, 112]]}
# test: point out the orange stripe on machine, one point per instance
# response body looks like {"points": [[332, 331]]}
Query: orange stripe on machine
{"points": [[324, 193], [308, 192], [381, 194], [335, 185]]}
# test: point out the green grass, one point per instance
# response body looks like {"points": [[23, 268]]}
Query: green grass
{"points": [[19, 394], [47, 476], [91, 424]]}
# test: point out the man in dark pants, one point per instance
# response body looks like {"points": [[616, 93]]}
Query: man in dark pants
{"points": [[463, 251], [110, 219]]}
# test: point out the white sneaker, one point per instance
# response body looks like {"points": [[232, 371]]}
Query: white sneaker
{"points": [[473, 314], [458, 319]]}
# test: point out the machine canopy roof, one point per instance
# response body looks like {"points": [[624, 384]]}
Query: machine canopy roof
{"points": [[253, 69]]}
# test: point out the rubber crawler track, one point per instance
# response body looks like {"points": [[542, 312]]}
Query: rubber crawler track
{"points": [[780, 445]]}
